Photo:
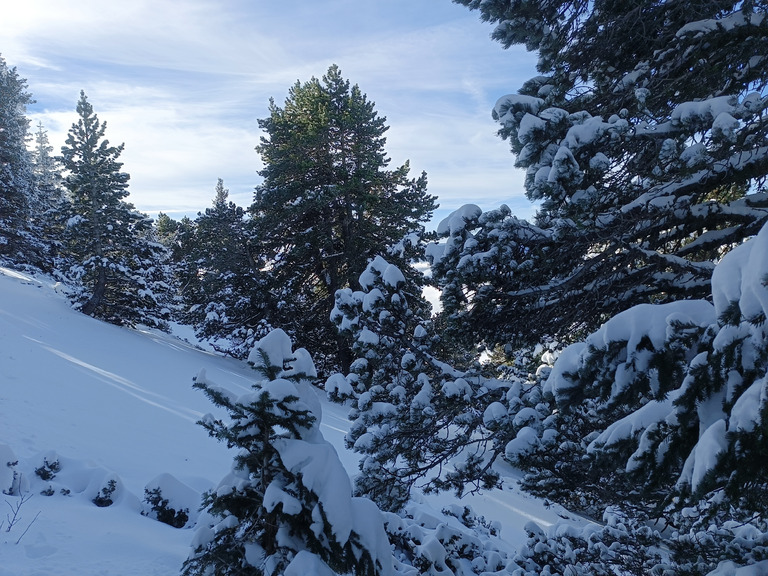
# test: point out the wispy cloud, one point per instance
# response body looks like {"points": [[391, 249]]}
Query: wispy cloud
{"points": [[183, 84]]}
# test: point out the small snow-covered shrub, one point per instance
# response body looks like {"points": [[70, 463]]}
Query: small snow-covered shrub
{"points": [[162, 511], [49, 468], [168, 500], [104, 497]]}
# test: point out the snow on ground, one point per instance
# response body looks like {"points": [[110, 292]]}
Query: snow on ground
{"points": [[110, 403]]}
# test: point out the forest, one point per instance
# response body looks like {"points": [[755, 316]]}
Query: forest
{"points": [[614, 349]]}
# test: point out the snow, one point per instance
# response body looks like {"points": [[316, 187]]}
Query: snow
{"points": [[494, 413], [307, 564], [638, 421], [738, 18], [338, 385], [528, 125], [323, 474], [725, 126], [705, 110], [277, 348], [392, 276], [511, 103], [728, 568], [652, 321], [746, 412], [457, 220], [113, 403], [705, 455]]}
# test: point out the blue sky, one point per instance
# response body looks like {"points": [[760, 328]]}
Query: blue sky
{"points": [[183, 83]]}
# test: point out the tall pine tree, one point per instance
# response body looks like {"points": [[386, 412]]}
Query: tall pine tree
{"points": [[327, 205], [223, 291], [644, 139], [49, 205], [112, 257], [16, 179]]}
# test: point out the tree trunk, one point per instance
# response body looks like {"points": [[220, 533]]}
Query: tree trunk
{"points": [[98, 293]]}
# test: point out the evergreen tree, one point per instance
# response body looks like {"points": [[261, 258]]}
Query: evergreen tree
{"points": [[166, 229], [16, 178], [223, 290], [286, 507], [660, 416], [112, 256], [45, 166], [327, 205], [413, 413], [48, 205], [644, 139], [178, 239]]}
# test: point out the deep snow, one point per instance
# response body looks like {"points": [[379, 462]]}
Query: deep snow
{"points": [[114, 403]]}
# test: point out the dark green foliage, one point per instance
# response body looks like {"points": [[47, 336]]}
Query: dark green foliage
{"points": [[600, 383], [716, 530], [327, 205], [48, 205], [223, 285], [621, 545], [436, 545], [662, 414]]}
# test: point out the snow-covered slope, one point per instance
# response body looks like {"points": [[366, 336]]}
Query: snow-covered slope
{"points": [[109, 403]]}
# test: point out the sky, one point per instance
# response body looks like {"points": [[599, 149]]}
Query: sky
{"points": [[184, 83]]}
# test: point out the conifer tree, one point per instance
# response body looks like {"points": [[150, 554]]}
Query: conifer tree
{"points": [[166, 229], [286, 507], [48, 205], [113, 259], [413, 413], [223, 289], [328, 204], [660, 416], [45, 166], [644, 140], [16, 178]]}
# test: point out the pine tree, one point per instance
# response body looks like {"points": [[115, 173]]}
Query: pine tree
{"points": [[413, 413], [223, 289], [112, 256], [644, 140], [45, 166], [328, 204], [48, 205], [287, 505], [661, 415], [16, 178]]}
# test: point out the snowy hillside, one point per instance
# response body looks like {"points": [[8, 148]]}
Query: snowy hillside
{"points": [[87, 402]]}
